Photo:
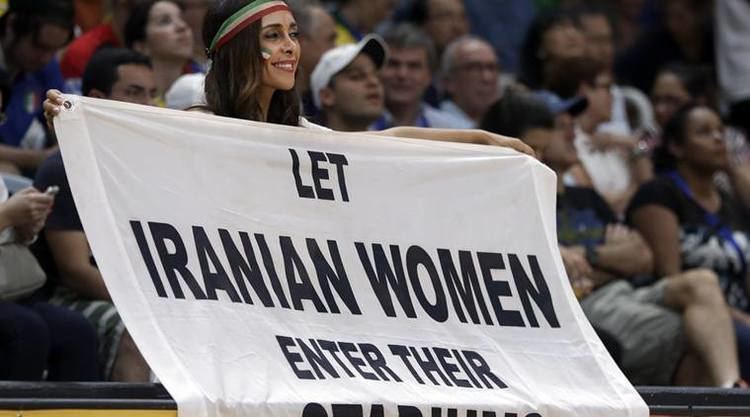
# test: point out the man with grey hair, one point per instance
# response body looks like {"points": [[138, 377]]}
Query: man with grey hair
{"points": [[470, 79], [406, 76], [317, 34]]}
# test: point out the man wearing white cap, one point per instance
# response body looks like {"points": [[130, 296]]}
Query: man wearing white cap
{"points": [[346, 86], [186, 91]]}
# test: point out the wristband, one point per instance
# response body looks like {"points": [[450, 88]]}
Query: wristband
{"points": [[592, 257]]}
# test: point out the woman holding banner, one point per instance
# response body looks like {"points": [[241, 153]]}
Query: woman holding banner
{"points": [[254, 52]]}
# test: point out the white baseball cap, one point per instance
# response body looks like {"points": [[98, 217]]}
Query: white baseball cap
{"points": [[335, 60], [186, 91]]}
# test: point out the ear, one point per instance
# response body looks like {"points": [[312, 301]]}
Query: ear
{"points": [[141, 47], [96, 93], [327, 97]]}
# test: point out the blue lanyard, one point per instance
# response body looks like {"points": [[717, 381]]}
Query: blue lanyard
{"points": [[712, 220]]}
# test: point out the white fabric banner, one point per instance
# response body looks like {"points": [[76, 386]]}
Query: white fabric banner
{"points": [[267, 270]]}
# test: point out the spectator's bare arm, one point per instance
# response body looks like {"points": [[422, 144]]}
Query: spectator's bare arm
{"points": [[578, 269], [52, 107], [24, 158], [660, 228], [575, 263], [619, 201], [624, 252], [476, 136], [70, 250], [607, 140], [739, 175], [26, 212], [582, 178], [740, 316], [642, 168]]}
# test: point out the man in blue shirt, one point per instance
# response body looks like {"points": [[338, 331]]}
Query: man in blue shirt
{"points": [[31, 33]]}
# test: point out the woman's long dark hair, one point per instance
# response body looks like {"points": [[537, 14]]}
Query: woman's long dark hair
{"points": [[674, 133], [531, 61], [135, 26], [698, 81], [235, 74]]}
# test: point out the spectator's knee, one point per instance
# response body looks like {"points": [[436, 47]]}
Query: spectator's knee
{"points": [[30, 328], [81, 336], [27, 332], [704, 284], [697, 286]]}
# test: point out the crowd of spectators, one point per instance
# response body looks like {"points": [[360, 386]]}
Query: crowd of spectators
{"points": [[641, 108]]}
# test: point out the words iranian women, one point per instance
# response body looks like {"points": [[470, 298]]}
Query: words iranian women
{"points": [[309, 275]]}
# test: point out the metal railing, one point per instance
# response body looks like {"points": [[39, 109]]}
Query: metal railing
{"points": [[663, 401], [683, 401]]}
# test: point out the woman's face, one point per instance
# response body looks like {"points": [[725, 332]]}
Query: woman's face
{"points": [[563, 40], [703, 147], [167, 34], [667, 96], [682, 19], [539, 139], [560, 152], [599, 97], [280, 50]]}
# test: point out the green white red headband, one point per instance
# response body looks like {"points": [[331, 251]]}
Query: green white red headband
{"points": [[242, 19]]}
